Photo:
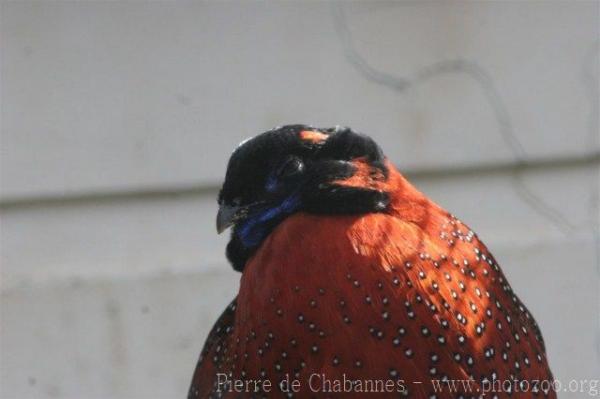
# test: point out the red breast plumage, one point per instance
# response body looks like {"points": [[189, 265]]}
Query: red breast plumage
{"points": [[409, 295]]}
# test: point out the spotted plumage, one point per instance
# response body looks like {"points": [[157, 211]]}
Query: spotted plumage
{"points": [[359, 277]]}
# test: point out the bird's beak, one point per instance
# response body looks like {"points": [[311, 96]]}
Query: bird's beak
{"points": [[227, 216]]}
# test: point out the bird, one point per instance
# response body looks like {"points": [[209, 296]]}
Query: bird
{"points": [[354, 283]]}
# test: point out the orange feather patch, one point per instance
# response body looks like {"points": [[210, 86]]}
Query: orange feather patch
{"points": [[313, 136]]}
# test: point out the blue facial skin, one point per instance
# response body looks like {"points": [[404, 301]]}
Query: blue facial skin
{"points": [[272, 184], [257, 226]]}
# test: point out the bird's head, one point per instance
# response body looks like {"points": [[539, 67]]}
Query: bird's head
{"points": [[292, 169]]}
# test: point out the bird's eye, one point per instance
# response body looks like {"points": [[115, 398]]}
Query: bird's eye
{"points": [[285, 173], [291, 167]]}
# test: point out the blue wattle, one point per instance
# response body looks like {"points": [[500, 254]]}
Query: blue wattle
{"points": [[258, 226]]}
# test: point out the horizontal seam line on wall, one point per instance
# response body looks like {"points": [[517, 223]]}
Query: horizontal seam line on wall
{"points": [[172, 192]]}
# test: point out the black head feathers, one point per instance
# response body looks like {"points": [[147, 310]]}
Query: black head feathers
{"points": [[293, 169]]}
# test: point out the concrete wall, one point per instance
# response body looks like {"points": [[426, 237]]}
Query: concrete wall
{"points": [[118, 119]]}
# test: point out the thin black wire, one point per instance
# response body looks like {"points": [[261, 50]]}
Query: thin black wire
{"points": [[478, 74]]}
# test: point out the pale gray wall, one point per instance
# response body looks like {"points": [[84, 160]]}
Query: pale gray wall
{"points": [[118, 118]]}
